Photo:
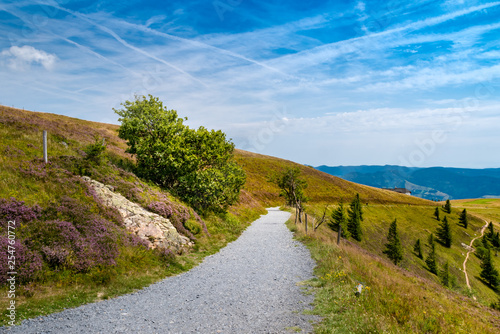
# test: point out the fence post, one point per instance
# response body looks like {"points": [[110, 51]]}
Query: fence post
{"points": [[306, 221], [338, 234], [45, 146]]}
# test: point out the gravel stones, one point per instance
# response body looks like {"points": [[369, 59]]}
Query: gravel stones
{"points": [[250, 286]]}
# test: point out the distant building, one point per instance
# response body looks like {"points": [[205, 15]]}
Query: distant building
{"points": [[399, 190]]}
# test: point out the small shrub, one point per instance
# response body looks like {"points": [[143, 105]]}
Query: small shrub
{"points": [[94, 152], [28, 263]]}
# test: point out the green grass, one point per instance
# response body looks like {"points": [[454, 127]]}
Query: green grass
{"points": [[393, 299]]}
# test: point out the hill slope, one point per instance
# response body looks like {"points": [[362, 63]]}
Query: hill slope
{"points": [[23, 176]]}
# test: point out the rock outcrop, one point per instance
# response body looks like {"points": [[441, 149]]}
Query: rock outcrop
{"points": [[155, 230]]}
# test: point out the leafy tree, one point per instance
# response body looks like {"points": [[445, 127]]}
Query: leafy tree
{"points": [[436, 214], [291, 185], [463, 220], [197, 165], [443, 233], [393, 248], [488, 272], [445, 275], [418, 249], [339, 217], [431, 257], [355, 212], [447, 206]]}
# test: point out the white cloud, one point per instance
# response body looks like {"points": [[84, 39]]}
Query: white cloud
{"points": [[21, 58]]}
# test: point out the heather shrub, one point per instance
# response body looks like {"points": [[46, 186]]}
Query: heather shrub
{"points": [[177, 215], [193, 226], [28, 263], [14, 210], [79, 247]]}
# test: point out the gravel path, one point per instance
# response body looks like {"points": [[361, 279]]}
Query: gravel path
{"points": [[250, 286]]}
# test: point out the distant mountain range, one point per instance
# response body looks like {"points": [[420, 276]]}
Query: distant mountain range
{"points": [[434, 183]]}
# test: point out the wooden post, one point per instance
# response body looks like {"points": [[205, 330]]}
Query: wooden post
{"points": [[339, 234], [296, 213], [45, 146]]}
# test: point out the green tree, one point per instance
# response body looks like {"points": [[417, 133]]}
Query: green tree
{"points": [[447, 206], [443, 233], [436, 214], [417, 248], [393, 248], [291, 185], [445, 275], [488, 272], [355, 212], [491, 231], [463, 220], [431, 257], [339, 217], [94, 152], [197, 165]]}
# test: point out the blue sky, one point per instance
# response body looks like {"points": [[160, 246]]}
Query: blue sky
{"points": [[318, 82]]}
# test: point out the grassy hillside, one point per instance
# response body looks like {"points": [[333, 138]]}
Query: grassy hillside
{"points": [[407, 298]]}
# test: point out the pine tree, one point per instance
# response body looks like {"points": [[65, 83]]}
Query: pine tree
{"points": [[431, 258], [447, 206], [488, 272], [436, 214], [443, 233], [355, 213], [339, 217], [496, 241], [463, 220], [393, 247], [491, 231], [445, 275], [418, 249]]}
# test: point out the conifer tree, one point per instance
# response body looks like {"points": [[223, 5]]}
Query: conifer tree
{"points": [[445, 275], [496, 241], [339, 217], [463, 220], [355, 213], [488, 271], [418, 249], [393, 247], [431, 258], [447, 206], [491, 231], [444, 233], [436, 213]]}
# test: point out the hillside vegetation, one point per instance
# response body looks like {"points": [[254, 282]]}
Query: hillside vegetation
{"points": [[405, 298]]}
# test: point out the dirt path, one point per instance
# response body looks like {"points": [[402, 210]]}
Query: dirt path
{"points": [[470, 251]]}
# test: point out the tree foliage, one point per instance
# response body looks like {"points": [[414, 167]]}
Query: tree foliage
{"points": [[443, 233], [463, 220], [291, 185], [393, 248], [195, 164], [417, 248], [431, 257], [447, 206], [339, 217], [488, 272], [445, 275], [355, 213], [436, 214]]}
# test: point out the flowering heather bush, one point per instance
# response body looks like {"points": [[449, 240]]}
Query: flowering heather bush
{"points": [[135, 241], [63, 244], [166, 255], [12, 152], [27, 263], [177, 215], [12, 209]]}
